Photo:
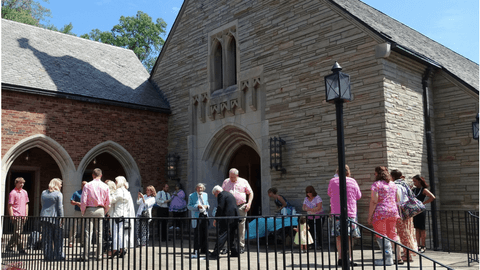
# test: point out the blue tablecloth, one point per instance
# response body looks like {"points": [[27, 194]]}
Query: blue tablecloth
{"points": [[252, 226]]}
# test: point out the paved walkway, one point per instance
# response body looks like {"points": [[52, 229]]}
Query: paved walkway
{"points": [[157, 258]]}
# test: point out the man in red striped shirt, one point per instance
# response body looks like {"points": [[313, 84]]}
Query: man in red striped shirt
{"points": [[94, 203]]}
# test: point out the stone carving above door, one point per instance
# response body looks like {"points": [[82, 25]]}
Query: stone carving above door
{"points": [[229, 104]]}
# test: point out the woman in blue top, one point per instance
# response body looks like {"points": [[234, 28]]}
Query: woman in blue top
{"points": [[52, 209], [283, 206]]}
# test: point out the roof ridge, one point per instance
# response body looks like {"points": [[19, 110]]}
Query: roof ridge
{"points": [[72, 36], [413, 29]]}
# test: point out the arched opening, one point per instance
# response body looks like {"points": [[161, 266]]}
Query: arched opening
{"points": [[46, 159], [109, 165], [218, 67], [37, 167], [231, 69], [113, 160], [247, 161]]}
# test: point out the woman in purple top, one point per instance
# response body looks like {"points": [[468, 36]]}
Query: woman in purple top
{"points": [[383, 212], [353, 195], [178, 205], [313, 205]]}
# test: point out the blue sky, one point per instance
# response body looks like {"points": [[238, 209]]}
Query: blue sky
{"points": [[453, 23]]}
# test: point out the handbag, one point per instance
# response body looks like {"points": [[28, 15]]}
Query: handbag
{"points": [[145, 213], [411, 208], [126, 222]]}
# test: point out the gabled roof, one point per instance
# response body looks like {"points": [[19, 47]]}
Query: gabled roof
{"points": [[403, 39], [46, 62], [411, 42]]}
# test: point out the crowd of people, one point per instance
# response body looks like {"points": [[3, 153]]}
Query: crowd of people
{"points": [[127, 228]]}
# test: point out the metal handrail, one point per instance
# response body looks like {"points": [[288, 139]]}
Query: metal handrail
{"points": [[472, 233], [385, 238]]}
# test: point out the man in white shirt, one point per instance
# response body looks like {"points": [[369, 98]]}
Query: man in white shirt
{"points": [[162, 199]]}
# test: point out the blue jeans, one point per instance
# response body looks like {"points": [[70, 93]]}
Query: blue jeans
{"points": [[52, 241]]}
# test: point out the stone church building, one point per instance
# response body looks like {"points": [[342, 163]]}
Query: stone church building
{"points": [[231, 76], [237, 73]]}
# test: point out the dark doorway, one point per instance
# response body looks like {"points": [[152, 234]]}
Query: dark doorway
{"points": [[37, 167], [109, 165], [247, 162]]}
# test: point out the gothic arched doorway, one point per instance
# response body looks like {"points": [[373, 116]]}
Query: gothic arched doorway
{"points": [[37, 167], [109, 165], [247, 162]]}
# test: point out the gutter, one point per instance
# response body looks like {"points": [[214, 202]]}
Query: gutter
{"points": [[41, 92], [429, 141]]}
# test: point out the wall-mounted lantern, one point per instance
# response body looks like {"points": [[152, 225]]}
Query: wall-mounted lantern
{"points": [[276, 154], [172, 165], [475, 129]]}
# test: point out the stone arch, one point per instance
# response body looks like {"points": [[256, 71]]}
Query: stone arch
{"points": [[225, 141], [122, 155], [47, 144]]}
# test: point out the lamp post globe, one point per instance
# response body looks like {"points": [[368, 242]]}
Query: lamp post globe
{"points": [[337, 85]]}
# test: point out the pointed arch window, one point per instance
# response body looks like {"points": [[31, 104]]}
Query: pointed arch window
{"points": [[231, 62], [223, 58], [218, 67]]}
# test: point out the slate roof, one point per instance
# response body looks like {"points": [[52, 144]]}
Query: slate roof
{"points": [[47, 62], [412, 42]]}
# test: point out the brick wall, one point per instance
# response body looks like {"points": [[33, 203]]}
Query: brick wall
{"points": [[79, 126]]}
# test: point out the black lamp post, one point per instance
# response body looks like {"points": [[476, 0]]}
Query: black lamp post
{"points": [[475, 129], [337, 88], [276, 154], [172, 164]]}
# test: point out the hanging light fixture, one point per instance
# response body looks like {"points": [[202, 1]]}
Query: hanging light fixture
{"points": [[475, 129], [172, 166], [276, 154]]}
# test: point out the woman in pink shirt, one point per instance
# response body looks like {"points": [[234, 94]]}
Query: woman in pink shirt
{"points": [[383, 212], [353, 195]]}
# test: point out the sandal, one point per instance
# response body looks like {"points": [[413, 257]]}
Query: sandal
{"points": [[399, 261], [404, 258]]}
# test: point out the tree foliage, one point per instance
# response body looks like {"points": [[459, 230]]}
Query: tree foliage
{"points": [[25, 11], [66, 29], [138, 33]]}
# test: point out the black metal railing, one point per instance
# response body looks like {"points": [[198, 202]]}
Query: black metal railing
{"points": [[368, 239], [269, 244], [451, 226], [471, 229]]}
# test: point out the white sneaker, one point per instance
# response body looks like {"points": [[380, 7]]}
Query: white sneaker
{"points": [[177, 228], [194, 256], [171, 228]]}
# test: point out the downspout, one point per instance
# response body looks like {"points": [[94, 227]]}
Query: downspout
{"points": [[431, 168]]}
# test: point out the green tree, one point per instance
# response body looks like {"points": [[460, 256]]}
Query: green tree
{"points": [[138, 33], [66, 29], [25, 11]]}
